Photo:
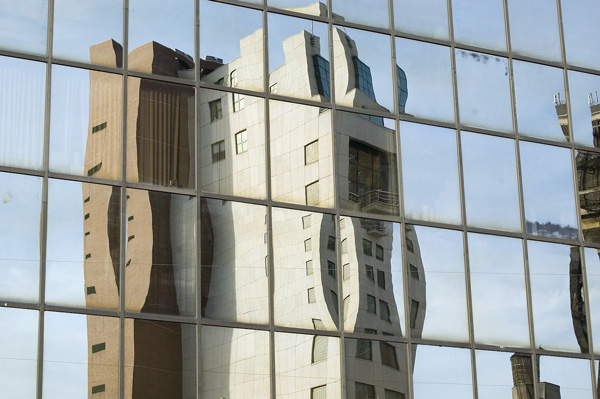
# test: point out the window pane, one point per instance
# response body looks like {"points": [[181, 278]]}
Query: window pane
{"points": [[568, 377], [366, 12], [21, 207], [592, 267], [17, 17], [495, 372], [479, 23], [433, 378], [160, 280], [585, 108], [425, 18], [588, 185], [309, 7], [577, 17]]}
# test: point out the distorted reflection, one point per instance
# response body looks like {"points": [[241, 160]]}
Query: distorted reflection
{"points": [[564, 378], [21, 208], [548, 191], [307, 366], [376, 369], [588, 185], [432, 378], [301, 154], [234, 261], [373, 279], [235, 363], [585, 108], [592, 271], [161, 257], [309, 7], [498, 290], [19, 349], [306, 269], [557, 297], [499, 373]]}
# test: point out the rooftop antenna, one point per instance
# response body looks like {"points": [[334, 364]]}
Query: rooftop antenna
{"points": [[557, 98], [590, 99]]}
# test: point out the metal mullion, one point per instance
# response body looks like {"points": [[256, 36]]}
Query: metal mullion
{"points": [[22, 171], [44, 205], [85, 179], [24, 56], [290, 13], [123, 221], [159, 188], [85, 66]]}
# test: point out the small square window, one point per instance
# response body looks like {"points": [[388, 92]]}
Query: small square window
{"points": [[369, 272], [311, 152], [385, 311], [346, 271], [363, 349], [307, 245], [389, 394], [409, 245], [379, 252], [414, 272], [367, 247], [371, 304], [331, 243], [238, 102], [388, 355], [381, 278], [216, 111], [241, 142], [306, 222], [311, 295], [309, 267], [331, 269], [312, 193], [218, 151]]}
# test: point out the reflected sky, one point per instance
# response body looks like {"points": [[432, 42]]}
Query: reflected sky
{"points": [[425, 17], [431, 373], [367, 12], [581, 86], [578, 17], [23, 25], [479, 23]]}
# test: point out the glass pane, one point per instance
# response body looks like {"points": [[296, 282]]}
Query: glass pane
{"points": [[232, 144], [592, 266], [227, 371], [20, 208], [316, 363], [372, 278], [297, 65], [578, 17], [569, 378], [160, 133], [430, 173], [585, 108], [19, 348], [304, 289], [81, 355], [22, 102], [161, 253], [367, 163], [425, 18], [91, 23], [147, 345], [169, 50], [490, 179], [588, 185], [437, 280], [366, 12], [234, 261], [536, 115], [363, 77], [548, 191], [500, 373], [483, 90], [539, 39], [233, 59], [432, 378], [309, 7], [18, 16], [376, 367], [479, 23], [427, 70], [498, 290], [557, 297], [301, 154], [86, 122], [82, 265]]}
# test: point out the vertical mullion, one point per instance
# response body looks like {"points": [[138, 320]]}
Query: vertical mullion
{"points": [[197, 171]]}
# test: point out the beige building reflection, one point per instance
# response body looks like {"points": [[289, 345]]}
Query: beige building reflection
{"points": [[234, 262]]}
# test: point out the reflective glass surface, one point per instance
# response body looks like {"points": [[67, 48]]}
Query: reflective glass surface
{"points": [[592, 268], [498, 290], [22, 104], [234, 261], [548, 191], [18, 16], [82, 257], [490, 180], [232, 162], [437, 284], [367, 163], [430, 173], [585, 108], [495, 371], [20, 207], [301, 154], [81, 355], [80, 25], [161, 257], [86, 123], [431, 378], [309, 7], [366, 12], [483, 90], [588, 183], [479, 23], [557, 296], [536, 115], [425, 18], [305, 363], [18, 345], [569, 377], [578, 16]]}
